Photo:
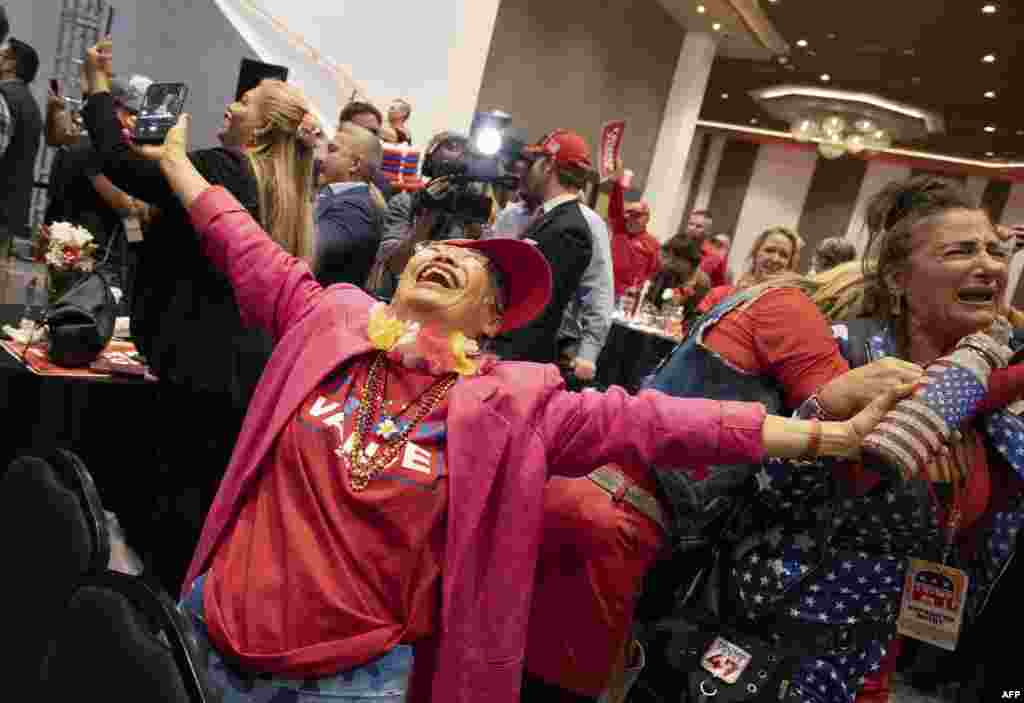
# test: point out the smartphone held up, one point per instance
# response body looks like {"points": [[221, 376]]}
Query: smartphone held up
{"points": [[159, 113]]}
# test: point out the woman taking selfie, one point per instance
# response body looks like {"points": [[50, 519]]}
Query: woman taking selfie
{"points": [[184, 317], [387, 489]]}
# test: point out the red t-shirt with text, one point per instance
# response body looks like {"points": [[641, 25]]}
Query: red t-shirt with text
{"points": [[316, 578]]}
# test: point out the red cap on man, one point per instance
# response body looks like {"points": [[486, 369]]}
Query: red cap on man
{"points": [[564, 146]]}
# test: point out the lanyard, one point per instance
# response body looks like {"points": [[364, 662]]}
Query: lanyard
{"points": [[954, 517]]}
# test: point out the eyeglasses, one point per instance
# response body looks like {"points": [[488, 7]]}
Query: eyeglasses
{"points": [[497, 279], [437, 249]]}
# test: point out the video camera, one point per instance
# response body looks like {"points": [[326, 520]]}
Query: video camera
{"points": [[483, 161]]}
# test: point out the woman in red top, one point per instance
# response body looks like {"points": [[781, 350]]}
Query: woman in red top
{"points": [[774, 252], [343, 532]]}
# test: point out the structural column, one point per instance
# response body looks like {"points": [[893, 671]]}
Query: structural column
{"points": [[467, 59], [664, 190]]}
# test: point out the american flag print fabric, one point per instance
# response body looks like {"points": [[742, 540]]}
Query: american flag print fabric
{"points": [[913, 432], [842, 560], [825, 558]]}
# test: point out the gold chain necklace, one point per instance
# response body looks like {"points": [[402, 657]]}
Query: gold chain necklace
{"points": [[362, 468]]}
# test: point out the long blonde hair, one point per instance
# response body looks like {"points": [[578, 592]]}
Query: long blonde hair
{"points": [[750, 277], [283, 165]]}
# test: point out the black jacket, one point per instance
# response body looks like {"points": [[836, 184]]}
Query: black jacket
{"points": [[72, 197], [184, 316], [18, 162], [564, 238]]}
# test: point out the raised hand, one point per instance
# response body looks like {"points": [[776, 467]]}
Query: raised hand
{"points": [[174, 150], [99, 66]]}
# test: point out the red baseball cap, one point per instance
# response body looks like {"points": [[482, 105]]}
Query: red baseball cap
{"points": [[525, 273], [565, 147]]}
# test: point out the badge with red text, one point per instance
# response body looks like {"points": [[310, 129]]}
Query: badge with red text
{"points": [[611, 146], [932, 609], [724, 660]]}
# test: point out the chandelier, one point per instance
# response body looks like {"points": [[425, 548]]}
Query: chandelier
{"points": [[842, 122], [836, 136]]}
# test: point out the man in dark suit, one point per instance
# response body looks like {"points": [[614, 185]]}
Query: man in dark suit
{"points": [[560, 168], [349, 214]]}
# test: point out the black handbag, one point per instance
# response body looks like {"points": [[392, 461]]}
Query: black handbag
{"points": [[81, 323], [696, 639]]}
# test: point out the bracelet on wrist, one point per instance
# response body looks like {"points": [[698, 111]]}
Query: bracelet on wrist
{"points": [[814, 444]]}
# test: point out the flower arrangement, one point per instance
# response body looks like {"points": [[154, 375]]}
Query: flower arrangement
{"points": [[68, 252], [63, 246]]}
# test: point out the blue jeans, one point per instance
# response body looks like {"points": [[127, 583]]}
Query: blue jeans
{"points": [[383, 680]]}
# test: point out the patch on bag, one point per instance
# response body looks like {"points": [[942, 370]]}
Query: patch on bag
{"points": [[725, 661]]}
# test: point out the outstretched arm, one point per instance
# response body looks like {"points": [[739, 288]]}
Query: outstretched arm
{"points": [[586, 430]]}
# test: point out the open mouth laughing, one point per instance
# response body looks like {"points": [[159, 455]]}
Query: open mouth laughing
{"points": [[439, 275]]}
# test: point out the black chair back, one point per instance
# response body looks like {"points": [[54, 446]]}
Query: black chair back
{"points": [[54, 532], [122, 638]]}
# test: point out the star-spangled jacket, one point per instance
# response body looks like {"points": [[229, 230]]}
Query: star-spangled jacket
{"points": [[851, 568], [823, 558]]}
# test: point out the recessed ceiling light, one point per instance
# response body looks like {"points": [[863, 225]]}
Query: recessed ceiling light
{"points": [[802, 43], [716, 26], [989, 9], [701, 9], [990, 154], [990, 94], [833, 36], [725, 96], [989, 58], [753, 120], [990, 128], [1020, 132], [783, 60], [825, 77]]}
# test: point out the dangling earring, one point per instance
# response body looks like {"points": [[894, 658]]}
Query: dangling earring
{"points": [[896, 308]]}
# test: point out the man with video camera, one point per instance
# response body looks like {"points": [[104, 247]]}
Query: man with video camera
{"points": [[451, 206]]}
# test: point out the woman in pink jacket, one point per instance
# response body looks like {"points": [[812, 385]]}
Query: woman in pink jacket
{"points": [[388, 485]]}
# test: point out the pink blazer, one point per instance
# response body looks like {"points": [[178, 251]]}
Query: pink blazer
{"points": [[508, 431]]}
